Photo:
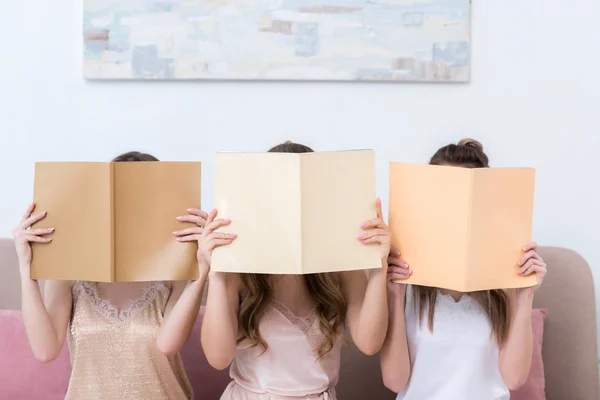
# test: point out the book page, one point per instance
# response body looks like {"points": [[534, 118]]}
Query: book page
{"points": [[428, 216], [501, 223], [338, 195], [77, 197], [148, 196], [260, 193]]}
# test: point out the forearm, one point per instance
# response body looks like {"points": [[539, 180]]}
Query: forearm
{"points": [[219, 327], [177, 327], [516, 354], [373, 320], [394, 357], [42, 335]]}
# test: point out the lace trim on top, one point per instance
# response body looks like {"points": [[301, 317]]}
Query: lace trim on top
{"points": [[303, 323], [105, 308]]}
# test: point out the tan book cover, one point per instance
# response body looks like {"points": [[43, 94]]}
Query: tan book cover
{"points": [[295, 213], [114, 221], [460, 228]]}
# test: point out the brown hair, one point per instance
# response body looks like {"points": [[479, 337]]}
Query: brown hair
{"points": [[467, 153], [324, 289], [134, 156]]}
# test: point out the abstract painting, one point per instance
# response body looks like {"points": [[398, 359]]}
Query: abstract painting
{"points": [[347, 40]]}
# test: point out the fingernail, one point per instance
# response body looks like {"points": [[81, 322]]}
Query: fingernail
{"points": [[45, 212], [361, 237], [189, 209], [51, 229], [233, 235], [175, 232], [179, 218], [364, 225], [226, 220]]}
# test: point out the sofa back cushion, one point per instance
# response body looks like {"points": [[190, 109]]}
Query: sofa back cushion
{"points": [[21, 375]]}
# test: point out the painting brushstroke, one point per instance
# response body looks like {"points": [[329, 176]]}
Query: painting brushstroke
{"points": [[346, 40]]}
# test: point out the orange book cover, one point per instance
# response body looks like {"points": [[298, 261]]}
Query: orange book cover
{"points": [[461, 228], [295, 213], [114, 221]]}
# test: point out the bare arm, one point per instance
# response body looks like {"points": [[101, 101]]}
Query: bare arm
{"points": [[46, 325], [184, 302], [180, 315], [394, 358], [516, 353], [367, 314], [220, 324]]}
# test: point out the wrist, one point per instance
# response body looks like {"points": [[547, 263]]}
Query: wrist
{"points": [[214, 276], [525, 299], [397, 291], [25, 271]]}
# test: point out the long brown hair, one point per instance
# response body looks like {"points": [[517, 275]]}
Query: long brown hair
{"points": [[324, 289], [467, 153]]}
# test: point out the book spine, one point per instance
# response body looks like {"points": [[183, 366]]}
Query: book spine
{"points": [[112, 220], [469, 231], [301, 203]]}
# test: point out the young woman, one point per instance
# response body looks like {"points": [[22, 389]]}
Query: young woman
{"points": [[282, 334], [445, 345], [118, 332]]}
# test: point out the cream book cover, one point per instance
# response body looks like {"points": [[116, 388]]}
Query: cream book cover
{"points": [[461, 228], [295, 213], [114, 221]]}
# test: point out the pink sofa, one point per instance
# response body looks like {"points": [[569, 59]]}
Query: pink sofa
{"points": [[49, 381], [569, 346]]}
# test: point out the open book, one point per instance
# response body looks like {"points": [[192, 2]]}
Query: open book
{"points": [[295, 213], [459, 228], [114, 221]]}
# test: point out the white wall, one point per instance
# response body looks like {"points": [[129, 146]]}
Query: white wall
{"points": [[533, 101]]}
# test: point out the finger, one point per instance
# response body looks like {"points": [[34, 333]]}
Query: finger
{"points": [[530, 246], [379, 211], [398, 270], [32, 220], [373, 232], [218, 242], [381, 239], [222, 235], [535, 269], [531, 254], [211, 216], [216, 224], [190, 238], [189, 231], [37, 239], [40, 231], [530, 263], [212, 236], [392, 277], [198, 212], [394, 251], [192, 218], [397, 262], [373, 223], [28, 212]]}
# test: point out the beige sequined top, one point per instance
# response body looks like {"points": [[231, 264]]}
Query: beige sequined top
{"points": [[114, 353]]}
